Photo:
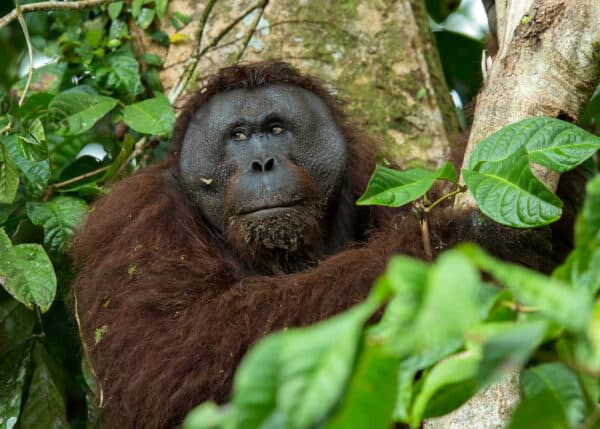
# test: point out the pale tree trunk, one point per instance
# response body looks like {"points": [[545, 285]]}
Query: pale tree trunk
{"points": [[548, 64], [379, 54]]}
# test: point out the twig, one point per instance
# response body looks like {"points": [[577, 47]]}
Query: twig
{"points": [[457, 191], [78, 178], [86, 352], [23, 25], [195, 59], [518, 307], [50, 5], [422, 218], [5, 129], [137, 151], [189, 70], [251, 31]]}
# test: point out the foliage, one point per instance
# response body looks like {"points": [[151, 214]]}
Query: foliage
{"points": [[97, 113], [442, 320], [74, 132]]}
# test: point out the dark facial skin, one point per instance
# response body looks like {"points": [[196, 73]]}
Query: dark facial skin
{"points": [[265, 166]]}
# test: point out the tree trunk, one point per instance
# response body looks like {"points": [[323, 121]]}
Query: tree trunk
{"points": [[381, 56], [548, 64]]}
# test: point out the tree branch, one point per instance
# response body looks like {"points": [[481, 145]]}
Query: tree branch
{"points": [[50, 5]]}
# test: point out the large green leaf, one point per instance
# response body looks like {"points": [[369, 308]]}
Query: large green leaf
{"points": [[59, 217], [45, 406], [554, 299], [395, 188], [9, 177], [318, 362], [34, 174], [31, 140], [123, 75], [562, 383], [79, 110], [27, 273], [556, 144], [371, 394], [452, 283], [13, 371], [296, 377], [161, 8], [506, 347], [509, 193], [206, 416], [447, 386], [154, 116]]}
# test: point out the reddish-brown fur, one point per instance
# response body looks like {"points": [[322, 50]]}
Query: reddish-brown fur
{"points": [[178, 310]]}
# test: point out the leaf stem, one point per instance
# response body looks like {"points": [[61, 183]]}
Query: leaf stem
{"points": [[78, 178], [457, 191]]}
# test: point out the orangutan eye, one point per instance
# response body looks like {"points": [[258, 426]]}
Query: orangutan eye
{"points": [[239, 135], [277, 129]]}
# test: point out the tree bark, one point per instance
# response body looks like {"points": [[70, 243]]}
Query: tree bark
{"points": [[381, 56], [548, 64]]}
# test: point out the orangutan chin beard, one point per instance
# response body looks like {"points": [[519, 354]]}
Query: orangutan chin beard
{"points": [[281, 239]]}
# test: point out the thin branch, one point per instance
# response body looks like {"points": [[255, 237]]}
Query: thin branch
{"points": [[23, 25], [189, 70], [457, 191], [419, 210], [86, 352], [251, 31], [50, 5], [195, 59], [78, 178], [137, 151]]}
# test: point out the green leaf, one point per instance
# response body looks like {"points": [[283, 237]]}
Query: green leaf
{"points": [[507, 346], [555, 300], [34, 174], [136, 7], [124, 74], [509, 193], [27, 273], [80, 110], [318, 363], [448, 385], [542, 411], [59, 217], [114, 9], [9, 177], [45, 406], [31, 140], [145, 17], [153, 116], [206, 416], [553, 143], [13, 371], [151, 60], [562, 383], [394, 188], [161, 8], [371, 394], [296, 377], [451, 283]]}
